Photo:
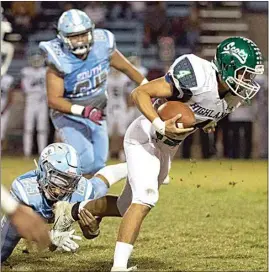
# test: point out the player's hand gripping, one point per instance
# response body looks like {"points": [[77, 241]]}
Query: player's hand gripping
{"points": [[89, 224], [174, 130], [93, 114]]}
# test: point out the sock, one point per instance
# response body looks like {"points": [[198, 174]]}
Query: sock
{"points": [[122, 254], [114, 173]]}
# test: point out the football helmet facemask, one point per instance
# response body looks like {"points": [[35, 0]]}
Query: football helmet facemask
{"points": [[59, 171], [238, 60], [76, 24]]}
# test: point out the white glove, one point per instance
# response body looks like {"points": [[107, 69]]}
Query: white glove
{"points": [[64, 240]]}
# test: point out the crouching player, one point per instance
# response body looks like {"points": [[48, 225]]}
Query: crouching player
{"points": [[58, 177]]}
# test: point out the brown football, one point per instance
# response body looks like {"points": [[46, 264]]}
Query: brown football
{"points": [[170, 109]]}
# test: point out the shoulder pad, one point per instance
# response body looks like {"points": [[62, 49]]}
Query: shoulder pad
{"points": [[186, 75], [53, 53], [104, 35]]}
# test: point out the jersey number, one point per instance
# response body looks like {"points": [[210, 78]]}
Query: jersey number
{"points": [[87, 85]]}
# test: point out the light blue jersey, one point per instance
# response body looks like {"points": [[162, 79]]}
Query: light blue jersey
{"points": [[85, 83], [26, 190]]}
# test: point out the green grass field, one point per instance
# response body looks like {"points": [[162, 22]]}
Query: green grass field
{"points": [[211, 217]]}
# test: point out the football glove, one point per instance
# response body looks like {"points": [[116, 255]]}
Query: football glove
{"points": [[64, 240], [93, 114]]}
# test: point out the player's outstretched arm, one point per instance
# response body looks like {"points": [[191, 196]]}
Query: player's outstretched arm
{"points": [[142, 97], [119, 62]]}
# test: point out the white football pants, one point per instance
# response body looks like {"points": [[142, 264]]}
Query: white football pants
{"points": [[36, 110], [148, 161]]}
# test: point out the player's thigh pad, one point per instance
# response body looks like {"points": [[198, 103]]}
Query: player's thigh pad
{"points": [[143, 163]]}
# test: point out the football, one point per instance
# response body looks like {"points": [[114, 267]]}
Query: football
{"points": [[170, 109]]}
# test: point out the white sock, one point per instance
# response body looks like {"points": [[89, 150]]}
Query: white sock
{"points": [[114, 173], [122, 254]]}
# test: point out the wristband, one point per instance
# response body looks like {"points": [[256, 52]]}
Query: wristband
{"points": [[77, 109], [144, 81], [159, 125], [8, 203]]}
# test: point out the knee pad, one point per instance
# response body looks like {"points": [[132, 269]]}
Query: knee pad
{"points": [[148, 197]]}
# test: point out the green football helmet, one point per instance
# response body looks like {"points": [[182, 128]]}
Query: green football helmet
{"points": [[238, 60]]}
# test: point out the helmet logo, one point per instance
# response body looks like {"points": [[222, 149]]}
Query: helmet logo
{"points": [[240, 54], [46, 152]]}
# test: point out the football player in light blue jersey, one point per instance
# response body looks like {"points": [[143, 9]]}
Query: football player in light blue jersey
{"points": [[58, 177], [79, 60]]}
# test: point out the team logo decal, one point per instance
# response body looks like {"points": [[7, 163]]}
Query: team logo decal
{"points": [[240, 54]]}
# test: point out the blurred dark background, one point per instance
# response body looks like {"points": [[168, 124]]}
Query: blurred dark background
{"points": [[156, 33]]}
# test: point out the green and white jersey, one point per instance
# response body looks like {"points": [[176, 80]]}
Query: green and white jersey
{"points": [[195, 83]]}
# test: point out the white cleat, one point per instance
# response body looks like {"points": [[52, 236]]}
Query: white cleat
{"points": [[123, 269], [63, 218], [166, 180]]}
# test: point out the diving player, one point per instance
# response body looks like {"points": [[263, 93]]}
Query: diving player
{"points": [[58, 177], [79, 60]]}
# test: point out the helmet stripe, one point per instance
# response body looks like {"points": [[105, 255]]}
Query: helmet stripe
{"points": [[73, 156], [75, 18]]}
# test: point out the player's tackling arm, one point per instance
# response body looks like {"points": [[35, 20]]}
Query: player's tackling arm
{"points": [[142, 97], [119, 62], [55, 92]]}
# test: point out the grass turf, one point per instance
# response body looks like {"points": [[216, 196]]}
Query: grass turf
{"points": [[211, 217]]}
